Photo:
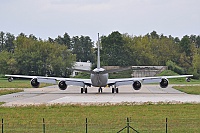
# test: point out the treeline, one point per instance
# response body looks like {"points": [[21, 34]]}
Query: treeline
{"points": [[29, 55], [180, 55], [32, 56]]}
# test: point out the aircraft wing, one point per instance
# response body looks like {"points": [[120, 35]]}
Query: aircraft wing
{"points": [[143, 80], [53, 80]]}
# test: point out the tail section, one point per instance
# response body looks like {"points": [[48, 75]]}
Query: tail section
{"points": [[98, 54]]}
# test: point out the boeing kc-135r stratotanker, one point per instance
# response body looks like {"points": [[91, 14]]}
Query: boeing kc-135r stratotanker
{"points": [[99, 78]]}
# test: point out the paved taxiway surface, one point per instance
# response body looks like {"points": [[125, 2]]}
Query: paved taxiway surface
{"points": [[52, 95]]}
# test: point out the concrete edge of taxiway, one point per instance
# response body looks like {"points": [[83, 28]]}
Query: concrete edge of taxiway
{"points": [[98, 104]]}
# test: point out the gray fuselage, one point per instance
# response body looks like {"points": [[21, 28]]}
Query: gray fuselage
{"points": [[99, 80]]}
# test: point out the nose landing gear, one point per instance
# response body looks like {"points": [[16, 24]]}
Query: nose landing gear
{"points": [[100, 90]]}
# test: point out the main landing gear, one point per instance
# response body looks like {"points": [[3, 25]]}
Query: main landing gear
{"points": [[115, 89], [83, 90], [100, 90]]}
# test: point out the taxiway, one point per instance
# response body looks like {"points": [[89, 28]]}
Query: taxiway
{"points": [[52, 95]]}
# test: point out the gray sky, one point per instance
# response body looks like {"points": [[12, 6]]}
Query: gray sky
{"points": [[50, 18]]}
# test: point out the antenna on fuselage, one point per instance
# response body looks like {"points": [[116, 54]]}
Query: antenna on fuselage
{"points": [[98, 53]]}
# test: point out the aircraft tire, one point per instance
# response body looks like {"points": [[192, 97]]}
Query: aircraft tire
{"points": [[100, 90], [117, 90], [113, 90], [81, 90]]}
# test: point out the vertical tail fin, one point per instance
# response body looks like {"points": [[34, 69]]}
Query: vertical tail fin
{"points": [[98, 54]]}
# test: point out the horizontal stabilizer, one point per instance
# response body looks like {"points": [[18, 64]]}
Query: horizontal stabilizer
{"points": [[116, 70], [81, 70]]}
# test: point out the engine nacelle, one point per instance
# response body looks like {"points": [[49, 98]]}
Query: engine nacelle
{"points": [[62, 85], [137, 85], [188, 79], [10, 79], [35, 83], [164, 83]]}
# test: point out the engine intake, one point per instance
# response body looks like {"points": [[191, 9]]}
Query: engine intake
{"points": [[164, 83], [35, 83], [137, 85], [62, 85]]}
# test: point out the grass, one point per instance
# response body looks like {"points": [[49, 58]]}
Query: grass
{"points": [[189, 89], [9, 91], [109, 119], [18, 83], [122, 74], [168, 73], [183, 81], [177, 80]]}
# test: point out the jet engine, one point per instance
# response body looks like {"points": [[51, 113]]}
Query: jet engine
{"points": [[164, 83], [10, 79], [188, 79], [62, 85], [137, 85], [35, 83]]}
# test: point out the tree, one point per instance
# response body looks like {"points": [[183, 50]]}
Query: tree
{"points": [[65, 40], [187, 51], [82, 47], [164, 49], [6, 42], [198, 42], [196, 64], [9, 42], [35, 57], [7, 63], [2, 41], [51, 40], [31, 36], [185, 45], [154, 35], [113, 50]]}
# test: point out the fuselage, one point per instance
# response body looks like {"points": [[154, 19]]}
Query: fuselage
{"points": [[98, 78]]}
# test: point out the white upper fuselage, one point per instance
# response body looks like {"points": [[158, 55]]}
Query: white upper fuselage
{"points": [[98, 79]]}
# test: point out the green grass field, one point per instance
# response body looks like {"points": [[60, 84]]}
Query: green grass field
{"points": [[109, 119], [189, 89], [9, 91]]}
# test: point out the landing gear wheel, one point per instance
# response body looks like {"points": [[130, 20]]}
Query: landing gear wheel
{"points": [[81, 90], [100, 90], [113, 90], [117, 90], [85, 90]]}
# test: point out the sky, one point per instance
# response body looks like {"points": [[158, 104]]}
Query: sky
{"points": [[50, 18]]}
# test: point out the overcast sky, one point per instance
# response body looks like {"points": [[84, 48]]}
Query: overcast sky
{"points": [[50, 18]]}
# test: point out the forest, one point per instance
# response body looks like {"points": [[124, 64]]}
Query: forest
{"points": [[28, 55]]}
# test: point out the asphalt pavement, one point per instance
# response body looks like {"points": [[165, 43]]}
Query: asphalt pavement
{"points": [[52, 95]]}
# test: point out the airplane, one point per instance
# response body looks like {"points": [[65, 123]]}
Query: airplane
{"points": [[99, 78]]}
